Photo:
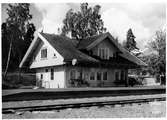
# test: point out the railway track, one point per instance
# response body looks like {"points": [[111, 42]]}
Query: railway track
{"points": [[127, 100], [50, 94]]}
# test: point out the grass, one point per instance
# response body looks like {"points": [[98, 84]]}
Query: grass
{"points": [[12, 80]]}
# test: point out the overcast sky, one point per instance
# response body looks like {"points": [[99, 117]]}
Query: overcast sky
{"points": [[143, 18]]}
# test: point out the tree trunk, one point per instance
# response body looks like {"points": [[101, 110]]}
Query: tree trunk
{"points": [[19, 74], [8, 60]]}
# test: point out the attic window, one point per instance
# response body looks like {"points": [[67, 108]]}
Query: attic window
{"points": [[44, 53], [103, 53]]}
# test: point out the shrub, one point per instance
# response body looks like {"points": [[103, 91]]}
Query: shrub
{"points": [[12, 80]]}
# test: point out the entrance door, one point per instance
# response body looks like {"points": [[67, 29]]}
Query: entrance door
{"points": [[99, 79], [46, 79]]}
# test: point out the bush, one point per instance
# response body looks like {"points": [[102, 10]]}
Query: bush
{"points": [[134, 81], [12, 80]]}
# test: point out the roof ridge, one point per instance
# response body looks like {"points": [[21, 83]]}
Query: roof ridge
{"points": [[96, 35]]}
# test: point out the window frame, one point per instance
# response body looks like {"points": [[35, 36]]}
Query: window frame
{"points": [[116, 75], [41, 76], [100, 76], [103, 53], [75, 73], [122, 75], [43, 56], [92, 73], [105, 76], [79, 75], [52, 73], [46, 70]]}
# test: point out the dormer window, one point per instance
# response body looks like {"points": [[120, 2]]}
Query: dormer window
{"points": [[44, 53], [103, 53]]}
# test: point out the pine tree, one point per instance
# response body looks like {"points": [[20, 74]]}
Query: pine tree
{"points": [[130, 41]]}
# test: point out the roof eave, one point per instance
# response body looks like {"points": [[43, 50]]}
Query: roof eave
{"points": [[21, 65]]}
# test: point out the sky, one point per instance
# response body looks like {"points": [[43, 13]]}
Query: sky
{"points": [[143, 18]]}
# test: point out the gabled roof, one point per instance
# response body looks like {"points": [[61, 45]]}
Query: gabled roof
{"points": [[70, 48], [66, 47], [90, 42], [125, 54]]}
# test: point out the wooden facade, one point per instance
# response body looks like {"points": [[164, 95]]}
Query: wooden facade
{"points": [[101, 63]]}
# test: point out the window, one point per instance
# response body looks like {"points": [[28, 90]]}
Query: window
{"points": [[104, 75], [72, 74], [52, 74], [79, 75], [41, 76], [46, 70], [116, 75], [92, 76], [86, 76], [44, 53], [98, 76], [103, 53], [122, 75]]}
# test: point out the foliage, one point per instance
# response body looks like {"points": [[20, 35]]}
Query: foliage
{"points": [[79, 83], [130, 43], [159, 45], [18, 31], [84, 23], [12, 81], [157, 60]]}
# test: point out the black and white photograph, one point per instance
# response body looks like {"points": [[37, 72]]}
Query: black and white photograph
{"points": [[82, 59]]}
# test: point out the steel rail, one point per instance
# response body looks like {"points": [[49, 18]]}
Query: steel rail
{"points": [[46, 94], [79, 105]]}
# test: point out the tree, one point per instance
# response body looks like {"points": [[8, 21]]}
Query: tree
{"points": [[84, 23], [157, 60], [130, 43], [17, 33], [159, 46], [5, 44]]}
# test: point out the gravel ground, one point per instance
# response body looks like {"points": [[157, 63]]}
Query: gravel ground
{"points": [[151, 109]]}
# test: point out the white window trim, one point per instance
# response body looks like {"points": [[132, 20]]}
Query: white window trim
{"points": [[51, 73], [46, 53], [106, 53], [94, 76], [75, 73]]}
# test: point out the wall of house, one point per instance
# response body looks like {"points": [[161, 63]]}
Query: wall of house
{"points": [[104, 44], [94, 83], [58, 80], [51, 60]]}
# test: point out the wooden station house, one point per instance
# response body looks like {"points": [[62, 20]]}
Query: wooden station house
{"points": [[62, 62]]}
